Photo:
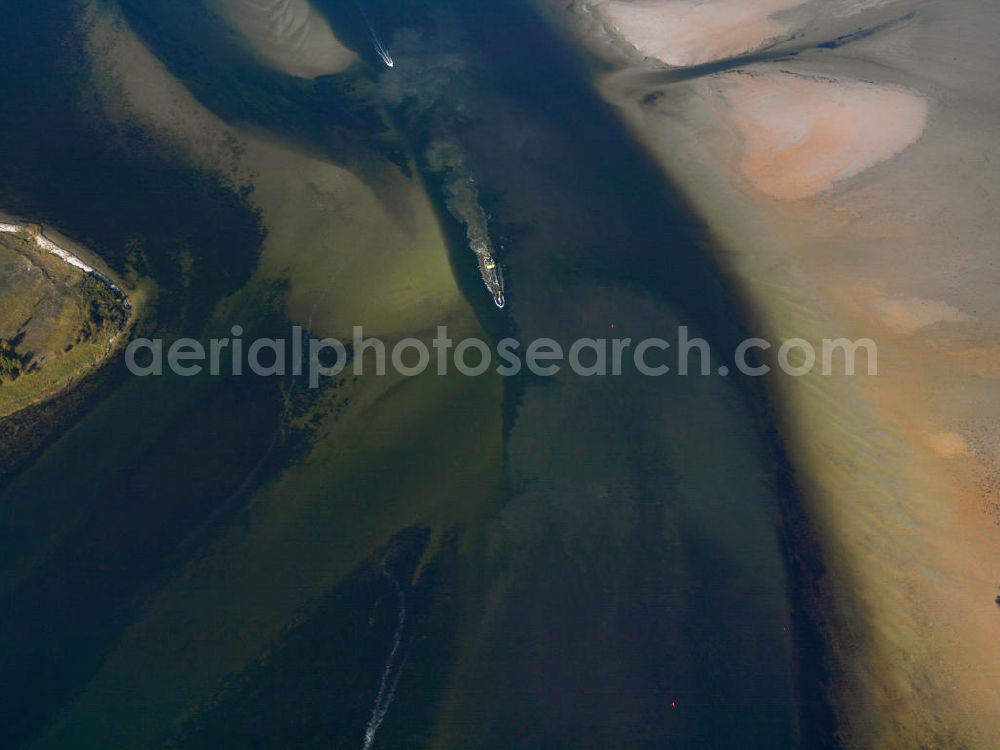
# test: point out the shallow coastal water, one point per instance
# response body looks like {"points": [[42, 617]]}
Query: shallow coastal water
{"points": [[642, 563], [601, 559]]}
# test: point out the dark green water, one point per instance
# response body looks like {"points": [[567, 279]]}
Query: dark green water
{"points": [[629, 590]]}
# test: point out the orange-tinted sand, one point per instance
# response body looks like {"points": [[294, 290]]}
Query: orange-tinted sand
{"points": [[801, 135], [681, 32], [910, 314]]}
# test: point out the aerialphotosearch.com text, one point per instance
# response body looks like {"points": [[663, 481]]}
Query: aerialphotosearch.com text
{"points": [[316, 359]]}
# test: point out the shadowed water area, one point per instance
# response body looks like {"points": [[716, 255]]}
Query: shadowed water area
{"points": [[562, 562]]}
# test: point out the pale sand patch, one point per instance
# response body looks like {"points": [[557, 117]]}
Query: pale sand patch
{"points": [[908, 315], [124, 68], [947, 444], [289, 34], [802, 135], [842, 8], [686, 32]]}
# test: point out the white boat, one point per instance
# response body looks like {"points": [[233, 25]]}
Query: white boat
{"points": [[489, 269]]}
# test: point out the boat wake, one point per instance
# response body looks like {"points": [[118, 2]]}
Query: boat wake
{"points": [[391, 673], [376, 42], [462, 200]]}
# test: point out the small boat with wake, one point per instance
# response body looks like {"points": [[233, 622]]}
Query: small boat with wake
{"points": [[462, 200], [489, 269], [380, 49]]}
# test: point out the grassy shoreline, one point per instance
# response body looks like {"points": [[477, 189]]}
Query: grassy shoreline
{"points": [[63, 345]]}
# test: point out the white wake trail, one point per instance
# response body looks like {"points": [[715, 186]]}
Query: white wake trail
{"points": [[376, 42], [390, 675]]}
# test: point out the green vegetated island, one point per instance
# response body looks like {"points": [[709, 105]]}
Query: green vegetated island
{"points": [[59, 320]]}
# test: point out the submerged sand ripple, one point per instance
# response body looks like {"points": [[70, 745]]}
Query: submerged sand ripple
{"points": [[289, 34]]}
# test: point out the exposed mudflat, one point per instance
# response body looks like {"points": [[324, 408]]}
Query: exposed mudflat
{"points": [[851, 183]]}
